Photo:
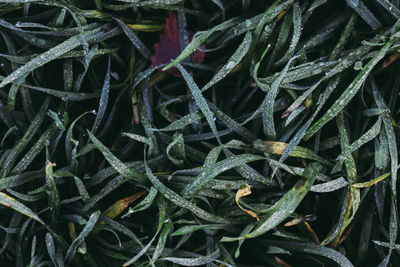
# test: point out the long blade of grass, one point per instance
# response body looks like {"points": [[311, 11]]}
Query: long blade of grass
{"points": [[213, 170], [182, 122], [141, 47], [14, 204], [195, 261], [188, 229], [198, 39], [329, 186], [91, 223], [233, 61], [362, 10], [365, 138], [200, 100], [391, 138], [285, 206], [311, 248], [26, 138], [119, 166], [50, 55], [180, 201], [268, 108], [349, 93], [103, 99]]}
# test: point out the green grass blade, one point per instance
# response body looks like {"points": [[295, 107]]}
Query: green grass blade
{"points": [[233, 61], [91, 223], [12, 203], [188, 229], [103, 99], [344, 143], [144, 204], [279, 148], [285, 206], [182, 122], [268, 108], [161, 241], [180, 201], [195, 261], [12, 94], [232, 124], [119, 166], [19, 179], [200, 100], [137, 137], [63, 95], [329, 186], [49, 55], [349, 93], [26, 138], [311, 248], [176, 150], [365, 138], [297, 27], [35, 150], [51, 249], [215, 169], [140, 46], [392, 144], [362, 10], [198, 40]]}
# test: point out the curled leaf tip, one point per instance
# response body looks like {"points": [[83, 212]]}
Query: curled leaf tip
{"points": [[245, 190]]}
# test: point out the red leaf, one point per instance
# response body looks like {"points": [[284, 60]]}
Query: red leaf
{"points": [[168, 48]]}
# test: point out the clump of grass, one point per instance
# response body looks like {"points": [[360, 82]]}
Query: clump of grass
{"points": [[266, 136]]}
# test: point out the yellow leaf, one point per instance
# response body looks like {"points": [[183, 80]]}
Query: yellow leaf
{"points": [[145, 28], [293, 222], [245, 191], [115, 209], [72, 231], [372, 182]]}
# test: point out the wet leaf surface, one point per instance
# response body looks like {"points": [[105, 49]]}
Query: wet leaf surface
{"points": [[199, 133]]}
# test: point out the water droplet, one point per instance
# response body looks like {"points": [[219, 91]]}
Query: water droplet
{"points": [[230, 64], [18, 24], [115, 75], [248, 23], [358, 65], [65, 98]]}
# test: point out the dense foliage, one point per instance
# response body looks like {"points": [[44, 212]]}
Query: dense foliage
{"points": [[199, 132]]}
